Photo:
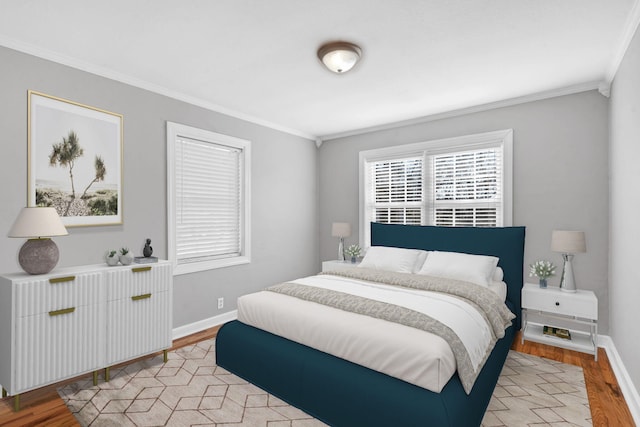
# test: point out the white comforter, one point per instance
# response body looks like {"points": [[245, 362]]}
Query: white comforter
{"points": [[410, 354]]}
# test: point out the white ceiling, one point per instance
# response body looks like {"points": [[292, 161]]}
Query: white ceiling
{"points": [[256, 59]]}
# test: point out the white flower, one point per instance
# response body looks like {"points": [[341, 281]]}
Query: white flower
{"points": [[353, 251], [542, 269]]}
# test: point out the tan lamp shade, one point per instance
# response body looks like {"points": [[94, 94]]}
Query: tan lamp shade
{"points": [[341, 229], [38, 222], [568, 242]]}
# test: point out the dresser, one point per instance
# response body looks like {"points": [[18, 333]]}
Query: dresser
{"points": [[79, 320], [552, 307]]}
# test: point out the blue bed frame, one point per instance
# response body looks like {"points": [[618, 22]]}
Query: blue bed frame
{"points": [[341, 393]]}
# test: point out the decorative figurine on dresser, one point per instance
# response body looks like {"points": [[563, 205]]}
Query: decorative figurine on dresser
{"points": [[147, 251]]}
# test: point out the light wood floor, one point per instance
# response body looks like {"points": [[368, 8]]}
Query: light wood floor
{"points": [[43, 407]]}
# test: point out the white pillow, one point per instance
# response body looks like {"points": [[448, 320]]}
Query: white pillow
{"points": [[477, 269], [499, 288], [498, 275], [422, 256], [392, 259]]}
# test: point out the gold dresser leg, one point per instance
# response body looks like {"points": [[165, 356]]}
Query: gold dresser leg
{"points": [[95, 378], [16, 402], [107, 374], [166, 355], [4, 392]]}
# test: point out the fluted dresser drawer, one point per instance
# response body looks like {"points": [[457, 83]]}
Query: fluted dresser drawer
{"points": [[39, 295], [137, 280]]}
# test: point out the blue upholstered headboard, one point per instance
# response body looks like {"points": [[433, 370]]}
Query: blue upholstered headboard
{"points": [[506, 243]]}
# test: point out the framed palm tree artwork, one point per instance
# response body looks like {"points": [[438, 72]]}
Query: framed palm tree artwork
{"points": [[75, 160]]}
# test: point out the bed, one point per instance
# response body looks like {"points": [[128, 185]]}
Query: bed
{"points": [[342, 393]]}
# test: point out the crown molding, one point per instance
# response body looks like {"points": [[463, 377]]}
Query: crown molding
{"points": [[568, 90], [628, 31], [142, 84]]}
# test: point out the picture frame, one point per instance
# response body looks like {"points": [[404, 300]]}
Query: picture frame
{"points": [[75, 160]]}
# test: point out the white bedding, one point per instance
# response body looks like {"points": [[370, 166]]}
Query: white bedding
{"points": [[413, 355]]}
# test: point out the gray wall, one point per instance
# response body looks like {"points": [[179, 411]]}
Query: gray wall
{"points": [[284, 184], [560, 177], [624, 277]]}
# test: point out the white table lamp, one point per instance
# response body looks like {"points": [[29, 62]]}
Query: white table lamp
{"points": [[568, 243], [39, 254], [341, 230]]}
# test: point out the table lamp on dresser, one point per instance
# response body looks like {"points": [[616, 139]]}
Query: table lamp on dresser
{"points": [[39, 254]]}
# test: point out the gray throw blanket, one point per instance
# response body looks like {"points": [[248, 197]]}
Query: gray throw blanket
{"points": [[487, 302]]}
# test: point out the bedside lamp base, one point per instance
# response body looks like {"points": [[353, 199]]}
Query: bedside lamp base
{"points": [[567, 281]]}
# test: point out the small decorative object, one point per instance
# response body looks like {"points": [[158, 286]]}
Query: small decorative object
{"points": [[557, 332], [148, 250], [145, 259], [126, 257], [112, 258], [39, 254], [353, 252], [542, 270]]}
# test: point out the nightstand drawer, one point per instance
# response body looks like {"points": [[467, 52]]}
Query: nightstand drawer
{"points": [[582, 304]]}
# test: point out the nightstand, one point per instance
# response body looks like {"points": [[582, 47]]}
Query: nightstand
{"points": [[574, 308], [338, 265]]}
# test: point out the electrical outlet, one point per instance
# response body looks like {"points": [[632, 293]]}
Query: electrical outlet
{"points": [[220, 303]]}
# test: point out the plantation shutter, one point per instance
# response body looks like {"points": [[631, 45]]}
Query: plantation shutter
{"points": [[467, 188], [208, 182], [395, 191], [454, 182]]}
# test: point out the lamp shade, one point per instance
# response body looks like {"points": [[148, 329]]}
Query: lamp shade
{"points": [[341, 229], [568, 242], [38, 222]]}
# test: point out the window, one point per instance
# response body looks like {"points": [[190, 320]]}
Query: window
{"points": [[464, 181], [208, 202]]}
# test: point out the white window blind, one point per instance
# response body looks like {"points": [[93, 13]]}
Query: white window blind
{"points": [[207, 201], [463, 181], [209, 182]]}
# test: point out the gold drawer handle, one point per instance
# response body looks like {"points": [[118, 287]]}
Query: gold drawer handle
{"points": [[139, 297], [141, 269], [62, 279], [63, 311]]}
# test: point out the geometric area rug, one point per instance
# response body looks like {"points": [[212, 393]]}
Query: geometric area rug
{"points": [[533, 391], [190, 390]]}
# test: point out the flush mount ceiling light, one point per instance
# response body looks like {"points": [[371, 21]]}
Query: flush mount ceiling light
{"points": [[339, 57]]}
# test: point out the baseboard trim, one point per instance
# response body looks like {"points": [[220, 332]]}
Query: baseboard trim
{"points": [[201, 325], [627, 387]]}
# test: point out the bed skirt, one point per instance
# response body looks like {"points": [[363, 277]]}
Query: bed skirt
{"points": [[341, 393]]}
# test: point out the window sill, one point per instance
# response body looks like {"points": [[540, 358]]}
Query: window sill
{"points": [[209, 265]]}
